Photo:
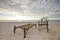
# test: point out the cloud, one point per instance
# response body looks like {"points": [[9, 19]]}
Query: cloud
{"points": [[30, 7], [34, 6]]}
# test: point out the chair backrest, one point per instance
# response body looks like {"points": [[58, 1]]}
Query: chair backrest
{"points": [[44, 20]]}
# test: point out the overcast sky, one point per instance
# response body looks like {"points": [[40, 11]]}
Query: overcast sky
{"points": [[29, 9]]}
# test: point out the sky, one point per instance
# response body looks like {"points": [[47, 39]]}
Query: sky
{"points": [[29, 9]]}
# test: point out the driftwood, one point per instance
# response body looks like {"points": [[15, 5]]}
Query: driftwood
{"points": [[43, 22], [25, 28]]}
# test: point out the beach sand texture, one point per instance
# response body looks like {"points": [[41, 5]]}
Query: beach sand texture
{"points": [[6, 32]]}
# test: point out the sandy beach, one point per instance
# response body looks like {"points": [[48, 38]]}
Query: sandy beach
{"points": [[6, 32]]}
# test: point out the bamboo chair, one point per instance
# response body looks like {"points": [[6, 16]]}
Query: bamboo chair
{"points": [[43, 22]]}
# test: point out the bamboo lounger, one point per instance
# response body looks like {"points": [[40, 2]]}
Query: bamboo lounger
{"points": [[25, 27]]}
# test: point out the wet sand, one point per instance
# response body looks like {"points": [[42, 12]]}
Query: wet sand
{"points": [[6, 32]]}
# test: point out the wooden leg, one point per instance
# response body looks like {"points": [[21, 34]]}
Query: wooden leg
{"points": [[47, 28], [39, 27], [14, 29], [35, 25], [24, 33]]}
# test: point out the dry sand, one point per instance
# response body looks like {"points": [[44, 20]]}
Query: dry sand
{"points": [[6, 32]]}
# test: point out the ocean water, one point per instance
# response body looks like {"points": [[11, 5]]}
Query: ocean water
{"points": [[52, 23]]}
